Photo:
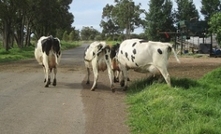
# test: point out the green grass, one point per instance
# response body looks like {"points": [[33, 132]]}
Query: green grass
{"points": [[15, 54], [188, 107]]}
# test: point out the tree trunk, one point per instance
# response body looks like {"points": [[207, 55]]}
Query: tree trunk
{"points": [[6, 35], [19, 36]]}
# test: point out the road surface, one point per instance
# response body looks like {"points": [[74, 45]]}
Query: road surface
{"points": [[27, 107]]}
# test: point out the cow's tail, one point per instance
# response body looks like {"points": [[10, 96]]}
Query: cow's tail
{"points": [[175, 55], [57, 58]]}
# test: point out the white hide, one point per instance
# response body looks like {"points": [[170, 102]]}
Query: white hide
{"points": [[144, 57], [49, 62], [97, 58]]}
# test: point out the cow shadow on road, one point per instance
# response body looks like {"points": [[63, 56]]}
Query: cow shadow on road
{"points": [[72, 85], [102, 87]]}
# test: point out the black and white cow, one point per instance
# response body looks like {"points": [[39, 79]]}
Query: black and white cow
{"points": [[114, 65], [48, 54], [97, 57], [144, 56]]}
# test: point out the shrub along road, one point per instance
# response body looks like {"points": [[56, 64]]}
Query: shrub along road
{"points": [[27, 107]]}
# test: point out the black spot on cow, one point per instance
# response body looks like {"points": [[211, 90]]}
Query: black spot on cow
{"points": [[106, 57], [136, 64], [100, 46], [107, 49], [134, 44], [143, 41], [169, 49], [132, 58], [56, 46], [85, 50], [121, 52], [93, 53], [159, 51], [134, 51], [126, 54], [114, 50], [50, 43], [46, 46]]}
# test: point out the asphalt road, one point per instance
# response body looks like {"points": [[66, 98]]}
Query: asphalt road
{"points": [[27, 107]]}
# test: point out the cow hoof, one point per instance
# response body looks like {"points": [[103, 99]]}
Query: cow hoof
{"points": [[113, 90], [49, 81], [87, 82], [128, 79], [93, 89], [47, 85], [116, 80], [122, 83], [54, 82]]}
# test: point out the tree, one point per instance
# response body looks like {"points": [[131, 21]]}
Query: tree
{"points": [[74, 35], [127, 15], [124, 16], [55, 16], [159, 18], [107, 23], [65, 36], [7, 13], [89, 33], [20, 19], [214, 25], [186, 10], [209, 7]]}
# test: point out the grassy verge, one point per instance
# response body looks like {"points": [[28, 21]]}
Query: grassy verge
{"points": [[189, 107], [15, 54]]}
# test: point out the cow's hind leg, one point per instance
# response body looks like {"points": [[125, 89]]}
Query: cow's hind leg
{"points": [[95, 70], [47, 82], [54, 76], [123, 80], [88, 76], [44, 69], [116, 76], [166, 75], [47, 77], [110, 73]]}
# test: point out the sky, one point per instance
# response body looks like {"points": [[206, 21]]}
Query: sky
{"points": [[88, 13]]}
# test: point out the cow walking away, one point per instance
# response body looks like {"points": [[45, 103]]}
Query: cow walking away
{"points": [[97, 58], [144, 56], [48, 54]]}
